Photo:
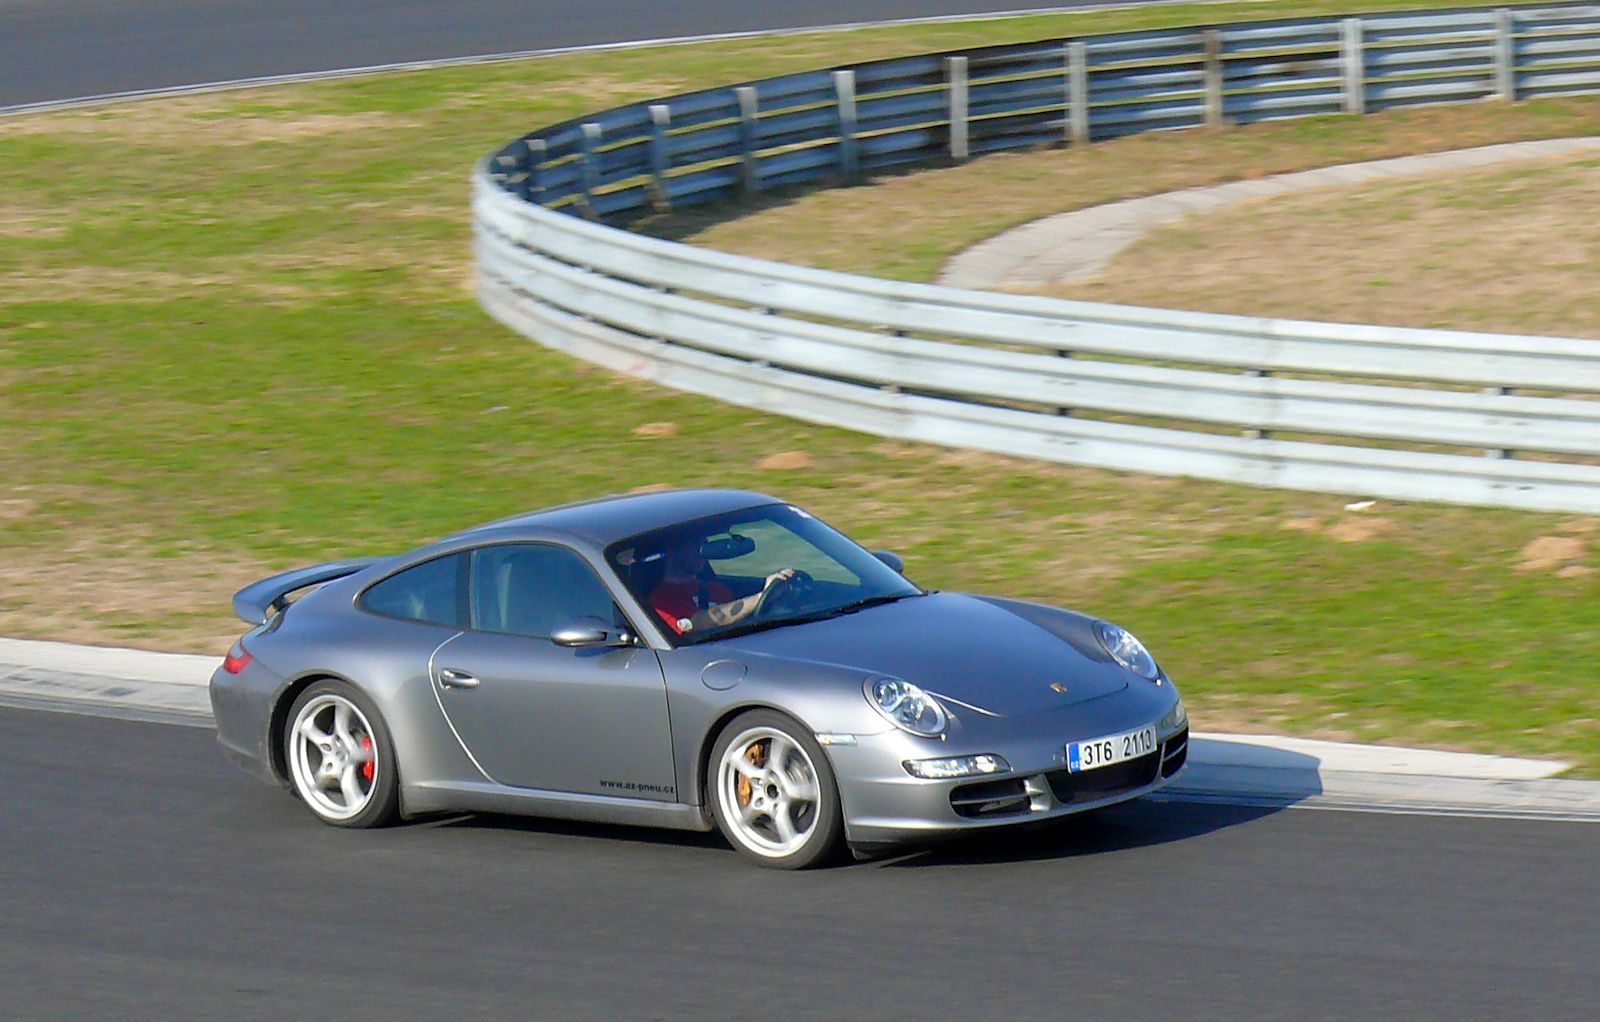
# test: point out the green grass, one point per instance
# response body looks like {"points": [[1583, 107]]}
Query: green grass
{"points": [[237, 334]]}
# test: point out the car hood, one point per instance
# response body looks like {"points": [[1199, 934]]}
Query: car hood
{"points": [[957, 646]]}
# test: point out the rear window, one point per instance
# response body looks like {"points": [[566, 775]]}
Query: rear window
{"points": [[430, 592]]}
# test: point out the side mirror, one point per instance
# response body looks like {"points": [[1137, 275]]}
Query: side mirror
{"points": [[893, 560], [590, 631]]}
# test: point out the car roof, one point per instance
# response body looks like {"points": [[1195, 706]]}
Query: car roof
{"points": [[608, 519]]}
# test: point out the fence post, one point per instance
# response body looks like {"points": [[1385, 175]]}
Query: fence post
{"points": [[746, 94], [1256, 432], [1355, 67], [660, 158], [1498, 453], [1065, 411], [532, 160], [955, 75], [1212, 76], [844, 87], [1505, 55], [589, 168], [1077, 91]]}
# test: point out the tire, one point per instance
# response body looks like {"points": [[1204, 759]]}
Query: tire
{"points": [[340, 757], [785, 816]]}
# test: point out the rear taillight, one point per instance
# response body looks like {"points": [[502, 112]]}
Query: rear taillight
{"points": [[236, 660]]}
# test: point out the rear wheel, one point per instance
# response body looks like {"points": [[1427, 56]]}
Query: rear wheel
{"points": [[340, 757], [773, 792]]}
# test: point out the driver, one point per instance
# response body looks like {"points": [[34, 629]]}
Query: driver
{"points": [[691, 596]]}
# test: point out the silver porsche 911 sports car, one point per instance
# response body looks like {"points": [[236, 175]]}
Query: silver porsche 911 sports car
{"points": [[686, 659]]}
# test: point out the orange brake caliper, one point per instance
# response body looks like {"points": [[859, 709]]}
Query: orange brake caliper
{"points": [[756, 755]]}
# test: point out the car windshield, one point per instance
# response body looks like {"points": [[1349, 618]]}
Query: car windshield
{"points": [[763, 567]]}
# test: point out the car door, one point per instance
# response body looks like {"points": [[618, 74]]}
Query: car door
{"points": [[588, 720]]}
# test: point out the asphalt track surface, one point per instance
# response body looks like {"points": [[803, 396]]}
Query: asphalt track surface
{"points": [[146, 878], [61, 49]]}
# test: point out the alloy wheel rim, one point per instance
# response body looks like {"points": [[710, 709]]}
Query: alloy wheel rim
{"points": [[333, 757], [769, 790]]}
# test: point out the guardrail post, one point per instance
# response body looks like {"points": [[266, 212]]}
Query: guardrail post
{"points": [[532, 161], [588, 167], [1077, 91], [1254, 432], [1065, 411], [660, 158], [746, 94], [844, 87], [1355, 67], [1505, 55], [1212, 76], [1498, 453], [955, 73]]}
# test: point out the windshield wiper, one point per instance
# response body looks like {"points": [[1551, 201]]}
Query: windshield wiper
{"points": [[870, 601], [745, 628]]}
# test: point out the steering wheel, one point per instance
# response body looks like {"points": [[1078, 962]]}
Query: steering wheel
{"points": [[788, 596]]}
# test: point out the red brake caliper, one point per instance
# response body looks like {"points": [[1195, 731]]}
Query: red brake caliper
{"points": [[367, 768]]}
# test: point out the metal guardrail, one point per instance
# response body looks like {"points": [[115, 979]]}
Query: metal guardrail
{"points": [[1407, 414]]}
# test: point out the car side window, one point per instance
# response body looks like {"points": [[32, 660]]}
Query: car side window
{"points": [[428, 592], [534, 588]]}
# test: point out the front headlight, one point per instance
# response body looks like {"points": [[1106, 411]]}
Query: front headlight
{"points": [[1127, 650], [906, 706]]}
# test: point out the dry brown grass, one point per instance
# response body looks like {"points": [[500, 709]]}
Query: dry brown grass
{"points": [[18, 220], [286, 276], [905, 225], [117, 594], [211, 119], [120, 285], [1552, 553], [1512, 249]]}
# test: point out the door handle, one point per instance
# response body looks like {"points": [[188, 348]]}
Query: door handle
{"points": [[449, 677]]}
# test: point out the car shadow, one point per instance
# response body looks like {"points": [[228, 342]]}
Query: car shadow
{"points": [[1229, 782], [580, 829], [1118, 828]]}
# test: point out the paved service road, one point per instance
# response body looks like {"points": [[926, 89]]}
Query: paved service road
{"points": [[59, 49], [146, 878]]}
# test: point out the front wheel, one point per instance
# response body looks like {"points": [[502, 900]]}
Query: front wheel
{"points": [[340, 757], [773, 792]]}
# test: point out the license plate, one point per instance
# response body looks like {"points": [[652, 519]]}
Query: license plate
{"points": [[1102, 752]]}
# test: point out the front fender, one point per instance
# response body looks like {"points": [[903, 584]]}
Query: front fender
{"points": [[823, 698]]}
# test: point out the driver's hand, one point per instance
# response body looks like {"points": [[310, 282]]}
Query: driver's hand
{"points": [[778, 576]]}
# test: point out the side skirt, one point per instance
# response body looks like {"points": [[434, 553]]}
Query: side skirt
{"points": [[494, 798]]}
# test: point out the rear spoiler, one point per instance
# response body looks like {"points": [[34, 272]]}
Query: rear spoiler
{"points": [[258, 601]]}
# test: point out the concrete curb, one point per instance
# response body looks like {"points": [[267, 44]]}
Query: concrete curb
{"points": [[1254, 770], [1070, 247]]}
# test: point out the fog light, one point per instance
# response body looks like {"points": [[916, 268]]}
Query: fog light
{"points": [[957, 766], [1174, 718]]}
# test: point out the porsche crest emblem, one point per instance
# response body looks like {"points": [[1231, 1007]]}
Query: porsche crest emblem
{"points": [[1056, 686]]}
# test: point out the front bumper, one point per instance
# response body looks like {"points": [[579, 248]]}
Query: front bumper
{"points": [[883, 804]]}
